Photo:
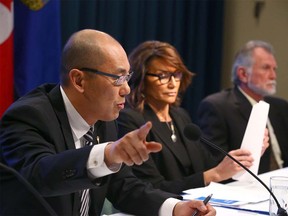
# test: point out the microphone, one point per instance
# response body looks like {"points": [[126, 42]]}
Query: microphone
{"points": [[193, 132]]}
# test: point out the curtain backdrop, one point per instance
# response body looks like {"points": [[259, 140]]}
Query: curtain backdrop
{"points": [[194, 27]]}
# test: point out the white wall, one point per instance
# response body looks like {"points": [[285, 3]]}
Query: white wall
{"points": [[240, 26]]}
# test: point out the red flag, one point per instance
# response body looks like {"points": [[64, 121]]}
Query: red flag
{"points": [[6, 54]]}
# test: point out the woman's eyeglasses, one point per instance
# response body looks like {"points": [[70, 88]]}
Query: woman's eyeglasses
{"points": [[165, 76], [119, 80]]}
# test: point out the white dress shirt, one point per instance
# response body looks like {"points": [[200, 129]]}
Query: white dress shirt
{"points": [[95, 163]]}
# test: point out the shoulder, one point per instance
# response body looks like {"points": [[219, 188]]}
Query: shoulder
{"points": [[277, 105], [225, 102], [219, 101], [129, 113], [180, 115], [219, 97], [276, 101], [33, 110], [35, 100], [179, 111], [128, 120], [130, 116]]}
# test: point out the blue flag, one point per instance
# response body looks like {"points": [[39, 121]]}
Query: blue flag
{"points": [[37, 43]]}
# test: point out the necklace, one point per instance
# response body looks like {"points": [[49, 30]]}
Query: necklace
{"points": [[171, 127]]}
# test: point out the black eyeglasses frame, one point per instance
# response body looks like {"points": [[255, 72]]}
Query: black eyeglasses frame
{"points": [[160, 76], [119, 80]]}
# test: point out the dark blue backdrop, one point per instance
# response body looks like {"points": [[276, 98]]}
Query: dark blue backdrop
{"points": [[194, 27]]}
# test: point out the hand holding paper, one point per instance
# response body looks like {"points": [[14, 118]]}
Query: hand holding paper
{"points": [[253, 138]]}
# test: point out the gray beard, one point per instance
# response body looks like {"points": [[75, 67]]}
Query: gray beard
{"points": [[261, 91]]}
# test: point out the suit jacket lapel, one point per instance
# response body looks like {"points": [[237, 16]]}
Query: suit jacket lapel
{"points": [[106, 131], [160, 135], [179, 124], [242, 104], [57, 102]]}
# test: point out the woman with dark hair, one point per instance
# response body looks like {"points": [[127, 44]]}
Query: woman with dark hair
{"points": [[160, 77]]}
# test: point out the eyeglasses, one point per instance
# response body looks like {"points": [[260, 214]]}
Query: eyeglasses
{"points": [[165, 76], [119, 80]]}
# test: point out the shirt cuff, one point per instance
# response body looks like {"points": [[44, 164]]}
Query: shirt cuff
{"points": [[96, 165], [168, 206]]}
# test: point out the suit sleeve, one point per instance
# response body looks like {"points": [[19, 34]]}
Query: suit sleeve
{"points": [[130, 194]]}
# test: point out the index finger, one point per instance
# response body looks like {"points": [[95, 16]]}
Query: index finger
{"points": [[144, 130]]}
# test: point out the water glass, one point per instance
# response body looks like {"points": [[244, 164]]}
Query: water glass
{"points": [[279, 187]]}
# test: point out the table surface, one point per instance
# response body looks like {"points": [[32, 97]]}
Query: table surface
{"points": [[265, 177]]}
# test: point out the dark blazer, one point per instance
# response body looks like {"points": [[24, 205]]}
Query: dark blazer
{"points": [[36, 140], [223, 118], [174, 168]]}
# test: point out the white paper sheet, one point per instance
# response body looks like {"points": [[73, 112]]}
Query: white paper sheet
{"points": [[226, 195], [253, 138]]}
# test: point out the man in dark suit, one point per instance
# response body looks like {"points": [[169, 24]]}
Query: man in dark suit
{"points": [[223, 116], [49, 136]]}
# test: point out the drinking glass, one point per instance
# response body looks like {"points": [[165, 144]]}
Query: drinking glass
{"points": [[279, 187]]}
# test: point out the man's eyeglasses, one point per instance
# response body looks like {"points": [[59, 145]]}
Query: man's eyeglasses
{"points": [[165, 77], [119, 80]]}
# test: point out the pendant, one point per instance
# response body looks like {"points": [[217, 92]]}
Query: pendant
{"points": [[173, 137]]}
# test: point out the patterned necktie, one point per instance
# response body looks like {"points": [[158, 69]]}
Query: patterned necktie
{"points": [[85, 197], [89, 137]]}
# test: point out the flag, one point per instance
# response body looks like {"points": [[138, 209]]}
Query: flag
{"points": [[37, 43], [6, 54]]}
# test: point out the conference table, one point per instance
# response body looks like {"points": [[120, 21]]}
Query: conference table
{"points": [[261, 208], [249, 209]]}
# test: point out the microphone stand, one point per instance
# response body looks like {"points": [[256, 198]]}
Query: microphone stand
{"points": [[281, 211], [30, 188]]}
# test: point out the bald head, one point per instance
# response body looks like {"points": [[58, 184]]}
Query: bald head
{"points": [[87, 48]]}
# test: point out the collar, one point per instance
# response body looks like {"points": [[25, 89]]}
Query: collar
{"points": [[250, 99], [78, 125]]}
